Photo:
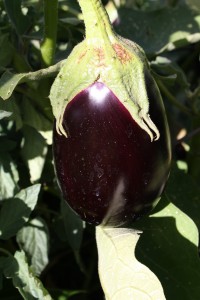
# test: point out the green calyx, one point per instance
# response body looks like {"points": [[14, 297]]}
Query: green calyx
{"points": [[108, 58]]}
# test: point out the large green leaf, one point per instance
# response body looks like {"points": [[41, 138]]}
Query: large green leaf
{"points": [[29, 286], [184, 192], [163, 29], [34, 240], [122, 276], [169, 244], [16, 211]]}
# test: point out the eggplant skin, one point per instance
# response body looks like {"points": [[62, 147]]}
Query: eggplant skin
{"points": [[108, 169]]}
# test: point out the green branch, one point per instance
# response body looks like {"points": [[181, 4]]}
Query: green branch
{"points": [[50, 32], [96, 19], [173, 99], [4, 251]]}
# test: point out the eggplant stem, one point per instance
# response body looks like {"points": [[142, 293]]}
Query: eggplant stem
{"points": [[96, 19]]}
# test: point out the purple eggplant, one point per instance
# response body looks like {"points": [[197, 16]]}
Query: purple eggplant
{"points": [[111, 140], [109, 170]]}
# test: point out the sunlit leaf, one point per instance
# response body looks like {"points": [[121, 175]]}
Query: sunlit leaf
{"points": [[29, 286], [184, 192], [169, 242], [122, 276], [34, 240], [8, 176], [4, 114], [9, 81]]}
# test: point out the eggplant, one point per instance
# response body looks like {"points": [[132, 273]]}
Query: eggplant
{"points": [[111, 140], [109, 170]]}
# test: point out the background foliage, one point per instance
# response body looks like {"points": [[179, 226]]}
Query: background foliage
{"points": [[45, 250]]}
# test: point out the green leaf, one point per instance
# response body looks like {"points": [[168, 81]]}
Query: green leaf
{"points": [[29, 286], [34, 152], [15, 212], [164, 67], [122, 276], [5, 56], [169, 242], [184, 192], [35, 119], [19, 21], [33, 239], [73, 226], [4, 114], [163, 29], [9, 81], [11, 105], [8, 176]]}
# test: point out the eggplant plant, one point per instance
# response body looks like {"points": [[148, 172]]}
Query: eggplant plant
{"points": [[87, 207]]}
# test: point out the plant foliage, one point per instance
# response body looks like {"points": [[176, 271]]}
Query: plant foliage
{"points": [[46, 251]]}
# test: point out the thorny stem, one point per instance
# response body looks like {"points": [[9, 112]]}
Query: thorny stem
{"points": [[50, 32]]}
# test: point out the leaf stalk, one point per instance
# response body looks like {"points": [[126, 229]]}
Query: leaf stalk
{"points": [[50, 32]]}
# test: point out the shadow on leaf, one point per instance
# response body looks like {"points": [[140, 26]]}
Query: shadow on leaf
{"points": [[168, 246], [13, 215]]}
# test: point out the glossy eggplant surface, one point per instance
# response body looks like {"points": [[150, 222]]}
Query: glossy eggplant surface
{"points": [[108, 169]]}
